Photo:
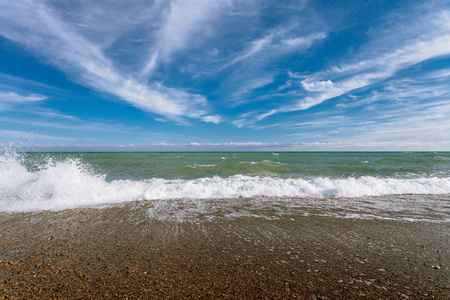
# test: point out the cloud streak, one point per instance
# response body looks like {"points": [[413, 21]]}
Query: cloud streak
{"points": [[183, 20], [257, 146], [275, 44], [20, 135], [296, 71], [38, 27], [10, 100], [13, 97], [342, 79]]}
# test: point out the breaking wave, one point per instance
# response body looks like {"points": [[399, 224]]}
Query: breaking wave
{"points": [[71, 183]]}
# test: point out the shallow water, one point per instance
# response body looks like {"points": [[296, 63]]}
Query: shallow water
{"points": [[185, 186]]}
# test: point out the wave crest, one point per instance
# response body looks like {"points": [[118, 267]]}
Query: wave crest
{"points": [[70, 184]]}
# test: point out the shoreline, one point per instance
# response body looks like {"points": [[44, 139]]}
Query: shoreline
{"points": [[118, 252]]}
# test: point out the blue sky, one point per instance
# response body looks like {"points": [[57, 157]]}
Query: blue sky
{"points": [[225, 75]]}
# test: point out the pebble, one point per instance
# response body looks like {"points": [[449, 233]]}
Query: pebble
{"points": [[127, 263], [436, 267]]}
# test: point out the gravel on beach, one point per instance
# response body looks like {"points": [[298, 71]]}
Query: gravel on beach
{"points": [[119, 252]]}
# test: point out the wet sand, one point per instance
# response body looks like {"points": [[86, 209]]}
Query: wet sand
{"points": [[121, 253]]}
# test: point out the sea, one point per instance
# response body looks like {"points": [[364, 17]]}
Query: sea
{"points": [[201, 186]]}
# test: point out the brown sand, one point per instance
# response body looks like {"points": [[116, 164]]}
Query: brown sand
{"points": [[119, 253]]}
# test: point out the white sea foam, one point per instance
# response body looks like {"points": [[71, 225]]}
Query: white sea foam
{"points": [[70, 184], [199, 166]]}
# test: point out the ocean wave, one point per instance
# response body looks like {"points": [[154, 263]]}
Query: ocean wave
{"points": [[70, 183]]}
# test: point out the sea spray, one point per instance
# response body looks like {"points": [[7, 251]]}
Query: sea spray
{"points": [[57, 184]]}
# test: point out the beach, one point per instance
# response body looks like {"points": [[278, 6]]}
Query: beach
{"points": [[221, 149], [224, 225], [119, 252]]}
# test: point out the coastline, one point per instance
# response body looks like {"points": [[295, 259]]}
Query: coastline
{"points": [[118, 252]]}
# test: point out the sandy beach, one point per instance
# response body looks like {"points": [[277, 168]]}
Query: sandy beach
{"points": [[120, 253]]}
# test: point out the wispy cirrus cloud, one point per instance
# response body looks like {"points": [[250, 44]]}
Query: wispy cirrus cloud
{"points": [[249, 66], [39, 27], [432, 124], [20, 135], [254, 47], [258, 146], [399, 110], [429, 42], [13, 97], [303, 42], [77, 125], [297, 70], [11, 100], [275, 44], [212, 119], [181, 22]]}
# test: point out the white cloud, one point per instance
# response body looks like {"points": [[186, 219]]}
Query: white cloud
{"points": [[239, 123], [429, 121], [273, 147], [182, 22], [12, 100], [212, 119], [362, 73], [329, 90], [40, 29], [274, 44], [317, 86], [13, 97], [31, 136], [440, 74], [255, 47], [303, 42], [247, 85], [78, 125], [340, 80]]}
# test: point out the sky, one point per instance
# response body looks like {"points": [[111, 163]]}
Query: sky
{"points": [[255, 75]]}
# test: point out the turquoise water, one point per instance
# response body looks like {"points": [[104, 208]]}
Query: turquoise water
{"points": [[407, 186], [141, 166]]}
